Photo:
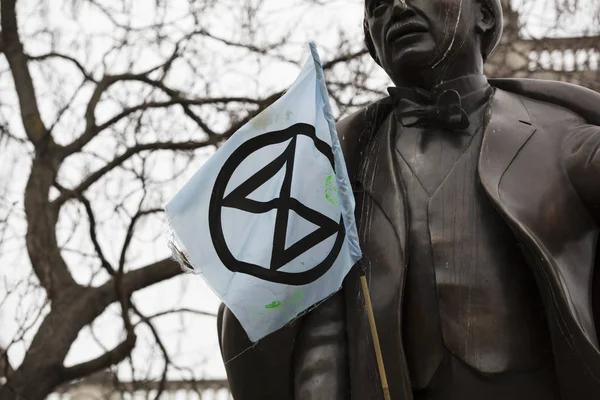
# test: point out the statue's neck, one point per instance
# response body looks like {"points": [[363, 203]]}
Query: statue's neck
{"points": [[428, 77]]}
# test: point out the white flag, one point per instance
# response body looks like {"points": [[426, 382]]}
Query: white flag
{"points": [[269, 219]]}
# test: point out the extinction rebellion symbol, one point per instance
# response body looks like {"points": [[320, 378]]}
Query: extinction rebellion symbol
{"points": [[238, 199]]}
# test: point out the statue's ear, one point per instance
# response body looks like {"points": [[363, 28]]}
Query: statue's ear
{"points": [[485, 18]]}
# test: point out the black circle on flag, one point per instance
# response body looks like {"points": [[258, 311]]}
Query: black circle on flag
{"points": [[238, 199]]}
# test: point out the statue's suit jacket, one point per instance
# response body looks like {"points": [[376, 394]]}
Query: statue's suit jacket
{"points": [[540, 166]]}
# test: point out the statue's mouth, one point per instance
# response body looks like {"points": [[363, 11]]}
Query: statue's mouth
{"points": [[402, 29]]}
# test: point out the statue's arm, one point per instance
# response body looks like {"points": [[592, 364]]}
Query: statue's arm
{"points": [[582, 160], [321, 353], [257, 371]]}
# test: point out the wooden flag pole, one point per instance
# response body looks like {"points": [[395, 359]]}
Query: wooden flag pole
{"points": [[384, 382]]}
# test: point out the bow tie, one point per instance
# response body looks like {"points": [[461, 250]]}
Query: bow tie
{"points": [[446, 112]]}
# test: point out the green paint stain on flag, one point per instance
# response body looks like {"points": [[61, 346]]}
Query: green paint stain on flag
{"points": [[275, 304], [331, 190]]}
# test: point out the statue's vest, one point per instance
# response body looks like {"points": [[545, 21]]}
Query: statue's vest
{"points": [[468, 287]]}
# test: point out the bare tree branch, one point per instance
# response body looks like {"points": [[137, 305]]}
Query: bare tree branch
{"points": [[112, 357], [163, 349], [344, 58], [17, 60], [42, 252], [141, 278], [95, 176], [91, 129], [249, 46], [182, 311], [94, 237], [130, 230], [174, 101], [76, 62]]}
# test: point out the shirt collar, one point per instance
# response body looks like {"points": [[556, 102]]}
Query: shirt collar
{"points": [[465, 85]]}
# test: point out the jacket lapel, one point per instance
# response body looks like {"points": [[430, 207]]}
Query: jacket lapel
{"points": [[503, 138], [382, 183]]}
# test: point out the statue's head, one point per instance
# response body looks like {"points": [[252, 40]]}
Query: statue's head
{"points": [[407, 37]]}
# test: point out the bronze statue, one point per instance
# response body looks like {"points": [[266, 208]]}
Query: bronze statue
{"points": [[478, 206]]}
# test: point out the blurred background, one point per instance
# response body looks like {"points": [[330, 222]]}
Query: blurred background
{"points": [[107, 107]]}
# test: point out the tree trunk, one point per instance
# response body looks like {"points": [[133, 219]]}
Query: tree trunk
{"points": [[42, 368], [31, 384]]}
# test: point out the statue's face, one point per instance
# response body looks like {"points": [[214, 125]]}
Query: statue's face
{"points": [[419, 34]]}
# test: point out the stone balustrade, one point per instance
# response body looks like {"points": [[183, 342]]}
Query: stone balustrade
{"points": [[565, 55], [574, 60], [101, 387]]}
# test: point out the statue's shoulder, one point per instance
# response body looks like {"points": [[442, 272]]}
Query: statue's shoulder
{"points": [[356, 130], [577, 99]]}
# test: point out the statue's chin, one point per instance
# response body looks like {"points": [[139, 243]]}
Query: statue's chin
{"points": [[418, 63], [415, 55], [410, 69]]}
